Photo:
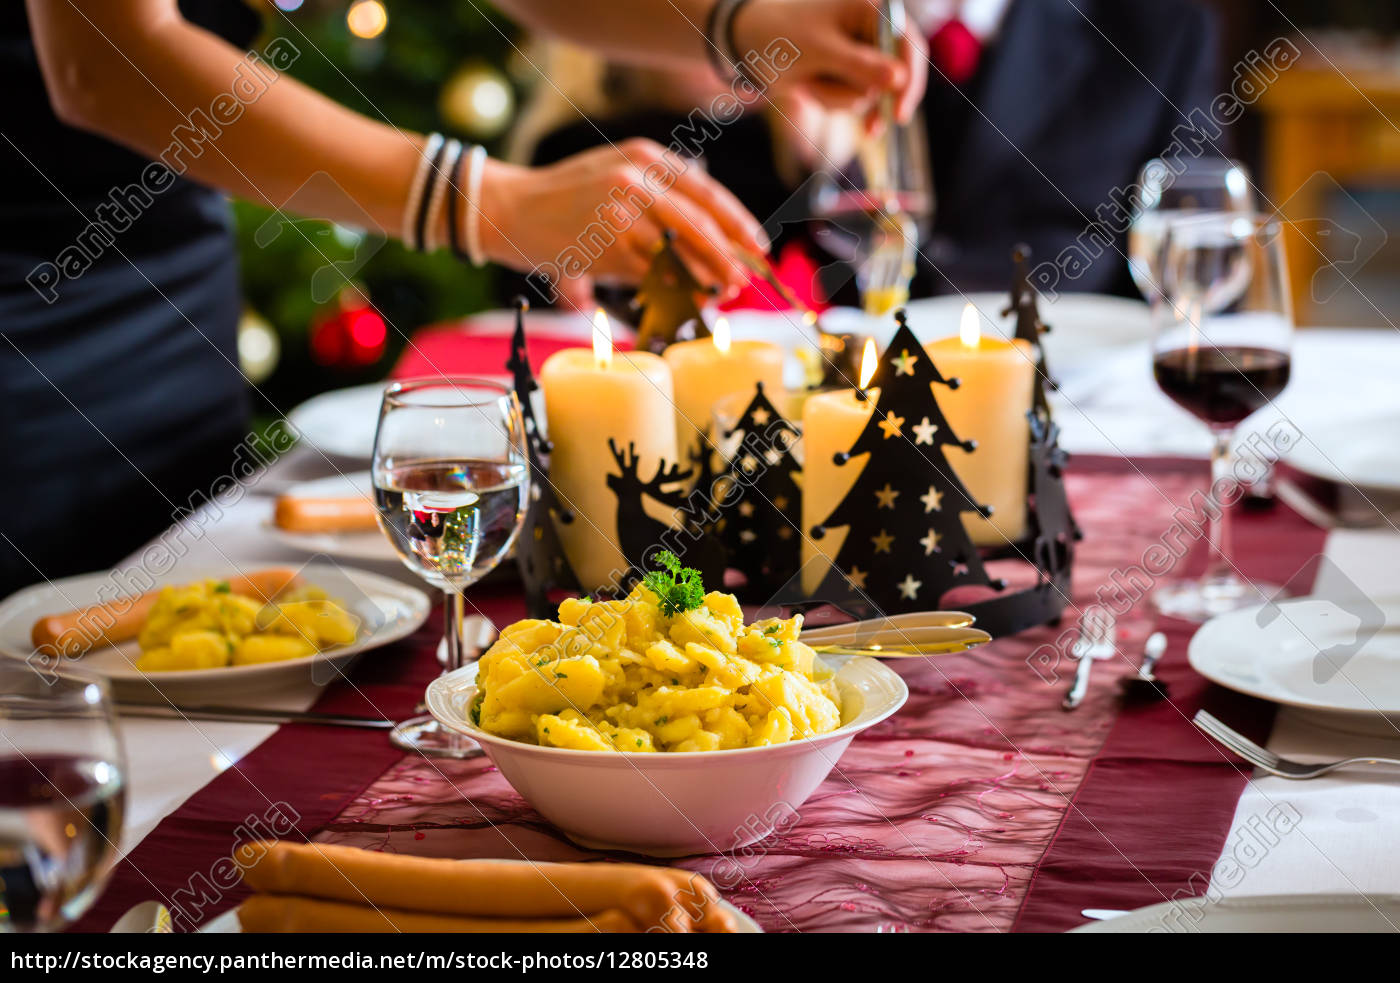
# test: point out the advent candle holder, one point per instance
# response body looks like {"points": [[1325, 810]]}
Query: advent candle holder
{"points": [[903, 545]]}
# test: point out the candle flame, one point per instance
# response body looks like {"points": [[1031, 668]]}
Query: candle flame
{"points": [[721, 335], [602, 339], [970, 329], [869, 361]]}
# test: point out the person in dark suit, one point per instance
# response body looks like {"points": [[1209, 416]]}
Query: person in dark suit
{"points": [[1034, 125]]}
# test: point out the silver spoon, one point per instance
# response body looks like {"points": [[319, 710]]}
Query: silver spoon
{"points": [[1145, 686]]}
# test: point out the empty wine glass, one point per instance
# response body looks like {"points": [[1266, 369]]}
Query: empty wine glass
{"points": [[451, 478], [1176, 188], [1223, 331], [62, 795]]}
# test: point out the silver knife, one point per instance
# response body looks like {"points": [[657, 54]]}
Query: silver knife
{"points": [[1095, 641], [249, 715]]}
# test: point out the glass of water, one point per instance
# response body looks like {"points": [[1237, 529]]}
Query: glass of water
{"points": [[451, 479], [62, 795]]}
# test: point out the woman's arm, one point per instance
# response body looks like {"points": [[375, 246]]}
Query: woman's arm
{"points": [[837, 61], [136, 72]]}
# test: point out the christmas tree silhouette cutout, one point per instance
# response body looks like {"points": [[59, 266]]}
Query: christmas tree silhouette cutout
{"points": [[539, 554], [1025, 304], [669, 297], [905, 544], [759, 494]]}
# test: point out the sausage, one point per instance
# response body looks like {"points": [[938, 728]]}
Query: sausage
{"points": [[324, 514], [649, 896], [278, 913], [75, 632]]}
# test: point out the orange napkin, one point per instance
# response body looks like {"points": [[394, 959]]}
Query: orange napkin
{"points": [[353, 514], [418, 890]]}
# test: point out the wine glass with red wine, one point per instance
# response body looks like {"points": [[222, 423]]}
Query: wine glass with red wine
{"points": [[62, 793], [1224, 328], [450, 477]]}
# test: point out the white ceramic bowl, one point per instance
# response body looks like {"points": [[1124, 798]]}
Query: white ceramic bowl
{"points": [[675, 804]]}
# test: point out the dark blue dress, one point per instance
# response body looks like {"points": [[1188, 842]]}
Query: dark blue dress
{"points": [[120, 397]]}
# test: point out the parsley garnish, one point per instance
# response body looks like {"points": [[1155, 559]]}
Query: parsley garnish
{"points": [[661, 720], [222, 587], [678, 588]]}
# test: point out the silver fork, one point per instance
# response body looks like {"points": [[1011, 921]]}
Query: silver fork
{"points": [[1095, 642], [1268, 761]]}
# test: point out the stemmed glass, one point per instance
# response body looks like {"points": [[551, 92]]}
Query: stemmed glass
{"points": [[1205, 184], [62, 795], [451, 478], [1223, 330]]}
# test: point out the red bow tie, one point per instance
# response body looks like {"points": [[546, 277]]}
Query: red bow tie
{"points": [[955, 51]]}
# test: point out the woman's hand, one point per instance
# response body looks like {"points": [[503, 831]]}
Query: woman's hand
{"points": [[599, 215], [838, 64]]}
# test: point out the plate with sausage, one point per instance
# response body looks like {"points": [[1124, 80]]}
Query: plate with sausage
{"points": [[193, 634], [334, 516]]}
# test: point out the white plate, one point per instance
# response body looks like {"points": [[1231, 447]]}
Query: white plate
{"points": [[1305, 913], [341, 421], [388, 610], [227, 923], [1272, 652], [369, 544], [1360, 452]]}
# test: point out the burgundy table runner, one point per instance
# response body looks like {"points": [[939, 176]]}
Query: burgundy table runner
{"points": [[981, 806]]}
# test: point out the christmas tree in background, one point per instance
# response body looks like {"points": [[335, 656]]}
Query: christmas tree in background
{"points": [[905, 544], [421, 66], [760, 498]]}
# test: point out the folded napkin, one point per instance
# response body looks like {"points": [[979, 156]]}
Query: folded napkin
{"points": [[318, 887]]}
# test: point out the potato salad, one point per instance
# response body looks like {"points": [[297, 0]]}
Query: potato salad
{"points": [[654, 673]]}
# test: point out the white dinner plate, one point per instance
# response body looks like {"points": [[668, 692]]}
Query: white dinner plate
{"points": [[1361, 452], [1310, 653], [1304, 913], [342, 422], [1081, 325], [227, 923], [388, 610], [368, 544]]}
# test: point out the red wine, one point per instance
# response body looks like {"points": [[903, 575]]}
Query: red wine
{"points": [[60, 817], [1222, 385]]}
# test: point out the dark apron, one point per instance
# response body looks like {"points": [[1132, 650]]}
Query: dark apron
{"points": [[120, 397]]}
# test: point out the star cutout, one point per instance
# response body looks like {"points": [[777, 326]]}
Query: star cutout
{"points": [[785, 532], [780, 502], [761, 416], [933, 501], [909, 587], [857, 578], [882, 542], [885, 497], [930, 542], [891, 425], [749, 463], [904, 362], [923, 433], [746, 509], [772, 455], [748, 536]]}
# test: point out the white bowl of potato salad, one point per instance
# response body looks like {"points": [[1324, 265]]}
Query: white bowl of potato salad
{"points": [[664, 728]]}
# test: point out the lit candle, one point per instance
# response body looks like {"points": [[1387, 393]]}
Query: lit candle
{"points": [[831, 422], [998, 381], [708, 369], [589, 397]]}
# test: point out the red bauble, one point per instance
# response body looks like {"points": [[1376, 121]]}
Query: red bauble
{"points": [[351, 336]]}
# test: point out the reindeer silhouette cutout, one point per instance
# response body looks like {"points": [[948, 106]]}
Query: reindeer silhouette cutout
{"points": [[640, 536]]}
